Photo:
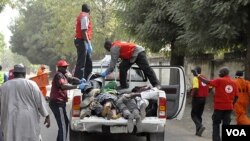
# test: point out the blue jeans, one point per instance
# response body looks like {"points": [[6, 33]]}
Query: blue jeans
{"points": [[59, 111]]}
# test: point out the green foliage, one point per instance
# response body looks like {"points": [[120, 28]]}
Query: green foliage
{"points": [[45, 30], [149, 22], [211, 25], [2, 4], [2, 43]]}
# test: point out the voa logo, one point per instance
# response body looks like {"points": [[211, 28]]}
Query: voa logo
{"points": [[236, 132]]}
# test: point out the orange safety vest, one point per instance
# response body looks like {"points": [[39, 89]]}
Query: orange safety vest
{"points": [[243, 95], [126, 49], [78, 30], [242, 103]]}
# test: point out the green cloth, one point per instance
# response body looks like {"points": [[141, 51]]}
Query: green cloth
{"points": [[110, 87]]}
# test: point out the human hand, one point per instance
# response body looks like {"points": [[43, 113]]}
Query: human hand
{"points": [[88, 47], [82, 80], [104, 74], [47, 121], [96, 75], [81, 86]]}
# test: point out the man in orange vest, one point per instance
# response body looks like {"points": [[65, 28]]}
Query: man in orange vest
{"points": [[41, 71], [199, 94], [83, 35], [242, 104], [129, 53]]}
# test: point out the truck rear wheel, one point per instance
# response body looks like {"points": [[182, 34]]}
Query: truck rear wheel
{"points": [[155, 137]]}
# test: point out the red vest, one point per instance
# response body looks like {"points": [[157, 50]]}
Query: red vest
{"points": [[57, 94], [78, 31], [225, 91], [126, 49], [203, 89]]}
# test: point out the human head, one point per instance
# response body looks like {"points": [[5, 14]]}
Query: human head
{"points": [[238, 74], [198, 69], [224, 71], [19, 71], [85, 8], [62, 66], [107, 45]]}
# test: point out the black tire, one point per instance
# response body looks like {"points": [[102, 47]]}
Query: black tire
{"points": [[155, 137], [76, 135]]}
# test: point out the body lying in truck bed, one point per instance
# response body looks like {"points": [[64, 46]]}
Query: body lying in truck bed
{"points": [[169, 104]]}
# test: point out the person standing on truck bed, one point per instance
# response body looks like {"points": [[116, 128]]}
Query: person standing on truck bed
{"points": [[82, 42], [129, 53], [225, 96], [58, 97], [199, 94]]}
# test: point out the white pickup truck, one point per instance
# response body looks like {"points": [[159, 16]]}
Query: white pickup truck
{"points": [[170, 105]]}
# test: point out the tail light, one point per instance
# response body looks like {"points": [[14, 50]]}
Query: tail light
{"points": [[76, 106], [162, 107]]}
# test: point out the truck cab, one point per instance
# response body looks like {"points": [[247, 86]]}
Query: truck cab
{"points": [[169, 105]]}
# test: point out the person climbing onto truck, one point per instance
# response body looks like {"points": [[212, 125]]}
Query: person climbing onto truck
{"points": [[129, 53]]}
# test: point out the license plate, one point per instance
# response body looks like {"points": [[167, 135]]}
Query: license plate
{"points": [[118, 129]]}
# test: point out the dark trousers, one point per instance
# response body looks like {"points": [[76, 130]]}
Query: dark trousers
{"points": [[143, 64], [59, 111], [198, 104], [219, 116], [84, 62]]}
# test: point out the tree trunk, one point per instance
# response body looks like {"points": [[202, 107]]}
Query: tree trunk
{"points": [[177, 59], [247, 62]]}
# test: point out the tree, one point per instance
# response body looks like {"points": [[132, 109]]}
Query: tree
{"points": [[150, 23], [2, 4], [2, 43], [214, 25], [45, 30]]}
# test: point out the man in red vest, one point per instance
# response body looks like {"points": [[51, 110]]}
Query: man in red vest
{"points": [[83, 35], [199, 93], [225, 96], [129, 53]]}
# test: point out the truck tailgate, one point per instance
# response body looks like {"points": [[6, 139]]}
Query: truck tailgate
{"points": [[99, 124]]}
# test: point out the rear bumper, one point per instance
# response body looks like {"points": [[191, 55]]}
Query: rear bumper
{"points": [[101, 125]]}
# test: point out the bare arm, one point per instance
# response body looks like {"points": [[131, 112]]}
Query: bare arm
{"points": [[204, 80], [68, 86]]}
